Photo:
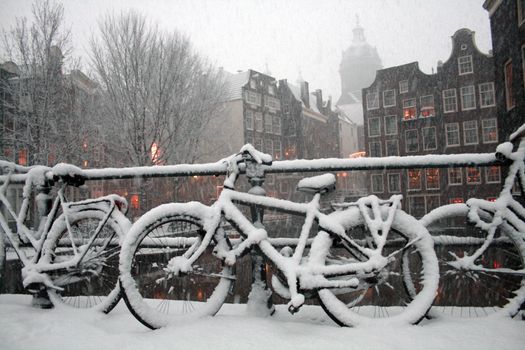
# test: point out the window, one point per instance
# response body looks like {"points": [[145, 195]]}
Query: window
{"points": [[457, 200], [277, 149], [468, 98], [392, 148], [452, 134], [258, 121], [492, 174], [276, 125], [390, 125], [465, 65], [135, 202], [429, 138], [416, 206], [403, 86], [272, 103], [249, 120], [22, 157], [455, 176], [521, 12], [432, 201], [253, 98], [394, 183], [372, 100], [268, 147], [374, 126], [414, 179], [268, 123], [377, 183], [409, 109], [486, 95], [271, 89], [450, 103], [470, 132], [432, 177], [489, 130], [258, 144], [473, 176], [389, 98], [411, 141], [252, 83], [509, 96], [427, 106], [375, 149]]}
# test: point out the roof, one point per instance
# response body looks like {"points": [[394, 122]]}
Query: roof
{"points": [[353, 111], [234, 84]]}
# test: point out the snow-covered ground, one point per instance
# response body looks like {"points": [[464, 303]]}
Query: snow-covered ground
{"points": [[24, 327]]}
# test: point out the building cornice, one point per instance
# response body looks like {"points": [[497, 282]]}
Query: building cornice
{"points": [[491, 6]]}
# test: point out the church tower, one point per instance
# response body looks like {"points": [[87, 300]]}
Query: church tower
{"points": [[358, 67]]}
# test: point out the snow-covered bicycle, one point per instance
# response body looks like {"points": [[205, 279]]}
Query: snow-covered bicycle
{"points": [[176, 261], [72, 256], [482, 259]]}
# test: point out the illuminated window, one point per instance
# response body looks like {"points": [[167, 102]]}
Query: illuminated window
{"points": [[85, 163], [392, 148], [429, 138], [22, 157], [470, 132], [403, 86], [455, 176], [390, 125], [492, 174], [389, 98], [456, 200], [452, 134], [427, 106], [432, 176], [490, 130], [414, 179], [377, 183], [468, 98], [134, 200], [155, 153], [394, 183], [509, 95], [409, 109], [465, 65], [491, 199], [249, 120], [374, 127], [372, 100], [473, 176], [450, 103], [411, 141], [277, 150], [486, 95]]}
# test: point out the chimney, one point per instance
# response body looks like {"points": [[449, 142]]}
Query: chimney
{"points": [[305, 94]]}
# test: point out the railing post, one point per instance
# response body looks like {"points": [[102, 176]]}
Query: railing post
{"points": [[43, 205], [260, 297]]}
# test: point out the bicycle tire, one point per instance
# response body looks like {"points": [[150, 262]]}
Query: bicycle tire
{"points": [[381, 299], [468, 293], [93, 283], [157, 297]]}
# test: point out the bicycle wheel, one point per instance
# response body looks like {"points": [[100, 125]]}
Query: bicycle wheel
{"points": [[92, 283], [381, 297], [156, 295], [496, 285]]}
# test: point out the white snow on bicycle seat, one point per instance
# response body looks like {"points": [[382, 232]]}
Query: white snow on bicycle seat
{"points": [[317, 184]]}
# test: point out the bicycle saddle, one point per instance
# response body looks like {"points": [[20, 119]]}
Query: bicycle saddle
{"points": [[317, 184]]}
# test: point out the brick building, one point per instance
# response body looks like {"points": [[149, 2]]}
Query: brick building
{"points": [[507, 21], [408, 112]]}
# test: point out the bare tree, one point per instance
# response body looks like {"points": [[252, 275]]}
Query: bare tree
{"points": [[160, 92], [41, 106]]}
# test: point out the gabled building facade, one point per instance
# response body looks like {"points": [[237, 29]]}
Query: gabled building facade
{"points": [[408, 112]]}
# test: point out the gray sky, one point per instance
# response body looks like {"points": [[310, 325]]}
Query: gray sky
{"points": [[294, 35]]}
